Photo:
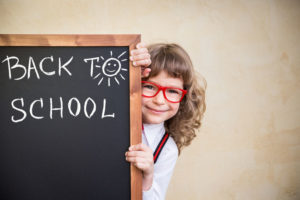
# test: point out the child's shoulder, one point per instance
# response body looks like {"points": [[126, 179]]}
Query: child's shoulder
{"points": [[171, 147], [168, 156]]}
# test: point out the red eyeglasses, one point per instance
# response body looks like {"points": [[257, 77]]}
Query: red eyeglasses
{"points": [[171, 94]]}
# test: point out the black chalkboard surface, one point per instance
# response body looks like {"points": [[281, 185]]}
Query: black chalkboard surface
{"points": [[66, 119]]}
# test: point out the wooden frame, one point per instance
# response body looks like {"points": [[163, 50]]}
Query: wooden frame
{"points": [[134, 82]]}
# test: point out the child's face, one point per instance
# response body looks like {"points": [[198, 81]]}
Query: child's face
{"points": [[157, 109]]}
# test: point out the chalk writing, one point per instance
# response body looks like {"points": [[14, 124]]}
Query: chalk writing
{"points": [[110, 68], [13, 64], [19, 105], [100, 68]]}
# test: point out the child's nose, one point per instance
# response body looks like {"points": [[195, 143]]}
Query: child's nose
{"points": [[159, 98]]}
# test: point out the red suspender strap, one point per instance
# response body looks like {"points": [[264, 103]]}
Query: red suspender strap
{"points": [[160, 146]]}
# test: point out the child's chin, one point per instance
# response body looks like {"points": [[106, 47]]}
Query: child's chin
{"points": [[153, 120]]}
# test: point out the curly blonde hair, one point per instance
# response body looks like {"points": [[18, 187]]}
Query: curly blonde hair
{"points": [[174, 60]]}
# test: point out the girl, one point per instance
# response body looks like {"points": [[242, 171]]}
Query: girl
{"points": [[173, 104]]}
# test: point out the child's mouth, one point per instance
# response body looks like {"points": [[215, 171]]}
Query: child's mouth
{"points": [[155, 110]]}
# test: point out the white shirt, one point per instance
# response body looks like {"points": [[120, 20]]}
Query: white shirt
{"points": [[164, 166]]}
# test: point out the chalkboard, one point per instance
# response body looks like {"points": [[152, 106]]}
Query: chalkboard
{"points": [[70, 108]]}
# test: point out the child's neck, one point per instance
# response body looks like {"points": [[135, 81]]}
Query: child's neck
{"points": [[154, 125]]}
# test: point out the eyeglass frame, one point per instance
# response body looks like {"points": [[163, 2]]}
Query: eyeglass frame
{"points": [[164, 91]]}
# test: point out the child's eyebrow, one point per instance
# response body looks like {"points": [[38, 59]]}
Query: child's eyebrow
{"points": [[168, 85]]}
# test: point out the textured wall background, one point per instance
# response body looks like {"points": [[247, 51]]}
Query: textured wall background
{"points": [[249, 53]]}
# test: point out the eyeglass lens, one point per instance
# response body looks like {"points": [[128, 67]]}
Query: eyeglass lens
{"points": [[151, 90]]}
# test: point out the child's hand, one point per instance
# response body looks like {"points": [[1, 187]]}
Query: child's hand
{"points": [[141, 57], [141, 156]]}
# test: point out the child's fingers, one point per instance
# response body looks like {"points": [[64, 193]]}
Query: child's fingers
{"points": [[145, 72], [135, 52], [141, 45], [137, 154], [135, 159], [140, 56], [146, 62], [141, 166], [139, 147], [143, 56], [141, 156], [141, 163], [141, 59]]}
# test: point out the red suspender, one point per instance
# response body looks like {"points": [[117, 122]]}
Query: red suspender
{"points": [[160, 146]]}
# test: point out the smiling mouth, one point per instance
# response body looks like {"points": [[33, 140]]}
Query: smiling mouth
{"points": [[156, 111], [111, 71]]}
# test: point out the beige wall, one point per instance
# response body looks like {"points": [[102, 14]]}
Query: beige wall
{"points": [[249, 53]]}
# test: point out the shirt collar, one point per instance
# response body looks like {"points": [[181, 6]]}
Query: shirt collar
{"points": [[154, 132]]}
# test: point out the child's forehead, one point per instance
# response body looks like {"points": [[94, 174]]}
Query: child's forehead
{"points": [[165, 79], [166, 74], [172, 68]]}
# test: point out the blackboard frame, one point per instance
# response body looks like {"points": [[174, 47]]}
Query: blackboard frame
{"points": [[130, 40]]}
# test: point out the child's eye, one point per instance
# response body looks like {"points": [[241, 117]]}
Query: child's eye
{"points": [[173, 91], [150, 87]]}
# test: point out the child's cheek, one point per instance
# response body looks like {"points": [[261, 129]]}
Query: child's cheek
{"points": [[175, 108]]}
